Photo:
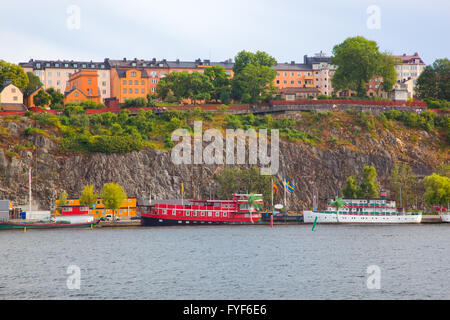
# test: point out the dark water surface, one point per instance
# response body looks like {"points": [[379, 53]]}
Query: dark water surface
{"points": [[228, 262]]}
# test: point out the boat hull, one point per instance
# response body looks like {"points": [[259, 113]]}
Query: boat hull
{"points": [[324, 218], [152, 221], [14, 225]]}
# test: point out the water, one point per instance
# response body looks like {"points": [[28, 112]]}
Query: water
{"points": [[228, 262]]}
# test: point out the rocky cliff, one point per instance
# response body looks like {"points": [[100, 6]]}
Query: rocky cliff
{"points": [[151, 173]]}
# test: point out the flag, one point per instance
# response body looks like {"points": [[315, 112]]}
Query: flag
{"points": [[275, 189], [288, 185], [182, 188]]}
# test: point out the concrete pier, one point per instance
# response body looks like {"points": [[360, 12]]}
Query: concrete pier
{"points": [[435, 218]]}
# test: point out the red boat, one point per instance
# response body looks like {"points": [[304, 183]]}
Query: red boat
{"points": [[242, 209]]}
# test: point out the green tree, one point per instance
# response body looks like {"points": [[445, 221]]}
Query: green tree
{"points": [[14, 73], [368, 187], [249, 180], [88, 197], [221, 84], [253, 77], [254, 84], [351, 188], [113, 196], [403, 183], [56, 98], [358, 60], [434, 81], [41, 99], [338, 204], [34, 83], [62, 201], [437, 190], [199, 87]]}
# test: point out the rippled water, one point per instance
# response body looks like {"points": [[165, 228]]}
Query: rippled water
{"points": [[228, 262]]}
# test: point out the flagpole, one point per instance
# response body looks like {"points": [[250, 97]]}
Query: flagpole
{"points": [[285, 204], [272, 194]]}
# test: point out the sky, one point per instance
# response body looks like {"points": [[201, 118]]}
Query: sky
{"points": [[216, 29]]}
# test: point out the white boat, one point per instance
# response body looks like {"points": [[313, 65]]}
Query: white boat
{"points": [[445, 217], [363, 211]]}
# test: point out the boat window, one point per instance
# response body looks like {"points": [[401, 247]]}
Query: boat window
{"points": [[188, 213], [210, 214], [224, 214], [203, 213], [217, 214], [164, 211]]}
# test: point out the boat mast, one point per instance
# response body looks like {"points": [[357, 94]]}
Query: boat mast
{"points": [[29, 187]]}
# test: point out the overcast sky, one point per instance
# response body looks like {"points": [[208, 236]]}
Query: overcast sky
{"points": [[216, 29]]}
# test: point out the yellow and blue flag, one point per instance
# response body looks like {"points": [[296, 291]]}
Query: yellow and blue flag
{"points": [[288, 185]]}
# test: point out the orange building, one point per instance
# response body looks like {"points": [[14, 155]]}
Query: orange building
{"points": [[126, 210], [129, 84], [294, 75], [29, 102], [86, 82]]}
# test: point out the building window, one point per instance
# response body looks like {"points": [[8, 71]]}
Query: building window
{"points": [[104, 92], [124, 81], [104, 83], [142, 82], [15, 98], [136, 82], [130, 82], [89, 81], [124, 90], [131, 90], [143, 90], [136, 90], [49, 74], [133, 74]]}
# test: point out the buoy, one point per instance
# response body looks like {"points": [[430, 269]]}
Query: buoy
{"points": [[271, 221], [25, 229]]}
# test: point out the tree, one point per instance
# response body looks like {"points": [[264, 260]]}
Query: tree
{"points": [[88, 197], [253, 77], [358, 60], [56, 98], [113, 196], [62, 201], [14, 73], [437, 190], [234, 180], [368, 187], [434, 81], [350, 189], [259, 58], [338, 203], [199, 87], [403, 183], [220, 81], [254, 84], [41, 99], [34, 83]]}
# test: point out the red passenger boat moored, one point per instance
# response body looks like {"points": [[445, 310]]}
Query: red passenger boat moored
{"points": [[242, 209]]}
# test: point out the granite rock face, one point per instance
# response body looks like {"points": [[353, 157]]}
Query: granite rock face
{"points": [[151, 173]]}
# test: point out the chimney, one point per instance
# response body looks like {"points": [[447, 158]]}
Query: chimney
{"points": [[124, 59], [292, 62]]}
